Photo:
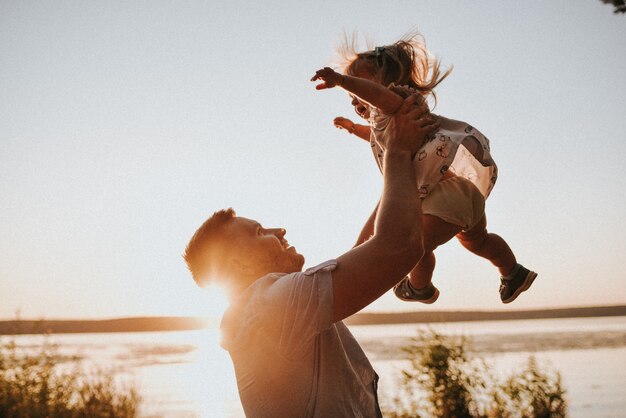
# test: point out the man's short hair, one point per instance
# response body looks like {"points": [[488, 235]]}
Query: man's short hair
{"points": [[200, 252]]}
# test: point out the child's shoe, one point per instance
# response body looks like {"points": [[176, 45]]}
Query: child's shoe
{"points": [[404, 291], [515, 283]]}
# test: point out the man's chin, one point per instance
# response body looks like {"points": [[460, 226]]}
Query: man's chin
{"points": [[296, 262], [295, 259], [300, 262]]}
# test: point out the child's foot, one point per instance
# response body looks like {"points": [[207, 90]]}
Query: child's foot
{"points": [[515, 283], [404, 291]]}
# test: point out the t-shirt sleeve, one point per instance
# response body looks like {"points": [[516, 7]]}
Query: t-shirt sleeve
{"points": [[302, 307]]}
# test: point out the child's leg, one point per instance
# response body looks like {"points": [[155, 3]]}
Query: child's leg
{"points": [[435, 233], [489, 246], [422, 273], [418, 287]]}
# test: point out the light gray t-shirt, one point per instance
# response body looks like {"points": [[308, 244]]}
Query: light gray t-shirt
{"points": [[290, 359]]}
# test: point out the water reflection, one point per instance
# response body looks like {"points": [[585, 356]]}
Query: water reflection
{"points": [[187, 373], [195, 383], [179, 374]]}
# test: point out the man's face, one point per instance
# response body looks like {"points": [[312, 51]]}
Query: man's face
{"points": [[262, 250]]}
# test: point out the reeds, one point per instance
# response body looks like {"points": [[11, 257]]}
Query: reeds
{"points": [[444, 381], [32, 385]]}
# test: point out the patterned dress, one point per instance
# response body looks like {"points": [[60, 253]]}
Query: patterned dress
{"points": [[456, 146]]}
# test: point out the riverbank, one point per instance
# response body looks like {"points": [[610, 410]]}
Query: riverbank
{"points": [[151, 324]]}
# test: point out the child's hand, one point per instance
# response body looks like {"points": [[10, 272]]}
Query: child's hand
{"points": [[343, 123], [330, 78]]}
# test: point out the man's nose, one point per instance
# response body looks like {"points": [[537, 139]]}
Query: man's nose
{"points": [[279, 232]]}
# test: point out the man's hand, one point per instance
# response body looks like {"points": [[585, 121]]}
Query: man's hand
{"points": [[330, 78], [410, 126], [343, 123]]}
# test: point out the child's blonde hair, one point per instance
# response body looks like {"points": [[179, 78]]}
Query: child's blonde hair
{"points": [[405, 62]]}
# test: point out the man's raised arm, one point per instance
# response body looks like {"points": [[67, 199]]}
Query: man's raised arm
{"points": [[364, 273]]}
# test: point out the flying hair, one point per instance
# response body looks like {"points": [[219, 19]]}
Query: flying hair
{"points": [[405, 62]]}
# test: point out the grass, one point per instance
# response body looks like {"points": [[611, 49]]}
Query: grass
{"points": [[32, 385], [443, 381]]}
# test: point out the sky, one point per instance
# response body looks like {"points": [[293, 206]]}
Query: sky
{"points": [[124, 125]]}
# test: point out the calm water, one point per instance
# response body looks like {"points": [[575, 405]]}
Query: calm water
{"points": [[187, 374]]}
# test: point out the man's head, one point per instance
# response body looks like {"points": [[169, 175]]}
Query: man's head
{"points": [[236, 251]]}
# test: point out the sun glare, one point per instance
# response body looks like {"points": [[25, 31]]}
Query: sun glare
{"points": [[216, 300]]}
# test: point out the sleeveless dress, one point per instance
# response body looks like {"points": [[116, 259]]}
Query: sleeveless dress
{"points": [[456, 146]]}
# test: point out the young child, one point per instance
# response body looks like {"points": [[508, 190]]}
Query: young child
{"points": [[454, 169]]}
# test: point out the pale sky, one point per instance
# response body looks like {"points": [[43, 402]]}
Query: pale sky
{"points": [[124, 125]]}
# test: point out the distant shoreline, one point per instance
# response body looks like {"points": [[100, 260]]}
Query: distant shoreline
{"points": [[468, 316], [152, 324]]}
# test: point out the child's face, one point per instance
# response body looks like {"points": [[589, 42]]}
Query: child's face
{"points": [[361, 108]]}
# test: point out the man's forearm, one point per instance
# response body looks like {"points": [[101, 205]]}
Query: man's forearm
{"points": [[398, 219], [367, 271], [368, 229]]}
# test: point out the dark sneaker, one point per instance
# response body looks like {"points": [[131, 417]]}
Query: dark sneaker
{"points": [[515, 283], [404, 291]]}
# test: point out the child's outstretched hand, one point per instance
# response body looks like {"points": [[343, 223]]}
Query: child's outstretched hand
{"points": [[343, 123], [330, 78]]}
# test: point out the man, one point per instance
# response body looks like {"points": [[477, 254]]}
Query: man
{"points": [[292, 354]]}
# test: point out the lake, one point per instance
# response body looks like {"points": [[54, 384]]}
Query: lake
{"points": [[187, 374]]}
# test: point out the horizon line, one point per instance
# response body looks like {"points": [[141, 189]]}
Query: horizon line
{"points": [[503, 310]]}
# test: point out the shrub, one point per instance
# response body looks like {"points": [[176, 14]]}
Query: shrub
{"points": [[530, 394], [32, 385], [443, 381]]}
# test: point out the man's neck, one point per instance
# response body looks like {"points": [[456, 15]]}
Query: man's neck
{"points": [[240, 284]]}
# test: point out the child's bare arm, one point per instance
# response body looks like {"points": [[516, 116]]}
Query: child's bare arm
{"points": [[366, 90], [362, 131]]}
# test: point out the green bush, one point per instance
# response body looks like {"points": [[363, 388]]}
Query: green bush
{"points": [[443, 381], [531, 394], [31, 385]]}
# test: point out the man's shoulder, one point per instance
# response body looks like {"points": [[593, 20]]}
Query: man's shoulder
{"points": [[273, 285], [279, 293], [247, 312], [303, 299], [326, 266], [302, 282]]}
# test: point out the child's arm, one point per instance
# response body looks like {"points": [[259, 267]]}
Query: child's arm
{"points": [[362, 131], [366, 90]]}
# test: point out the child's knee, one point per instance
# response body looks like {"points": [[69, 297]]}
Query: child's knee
{"points": [[477, 234], [472, 237]]}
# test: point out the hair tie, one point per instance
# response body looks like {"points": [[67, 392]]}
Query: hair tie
{"points": [[379, 50]]}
